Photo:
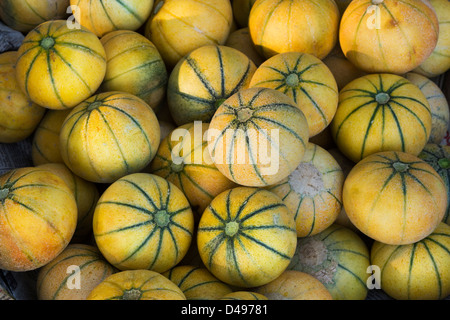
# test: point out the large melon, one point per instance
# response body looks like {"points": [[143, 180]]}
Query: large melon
{"points": [[278, 26], [178, 27], [393, 36], [142, 221], [38, 216], [101, 17], [246, 237], [59, 67], [394, 197], [257, 137]]}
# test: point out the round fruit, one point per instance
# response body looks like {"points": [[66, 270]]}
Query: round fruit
{"points": [[72, 274], [19, 116], [86, 196], [337, 257], [241, 11], [342, 69], [295, 285], [394, 197], [45, 145], [197, 283], [418, 271], [178, 27], [136, 285], [439, 61], [313, 191], [246, 237], [59, 67], [257, 137], [392, 36], [205, 78], [278, 26], [307, 80], [142, 221], [38, 216], [24, 15], [108, 136], [101, 17], [134, 65], [438, 156], [183, 159], [437, 101], [381, 112]]}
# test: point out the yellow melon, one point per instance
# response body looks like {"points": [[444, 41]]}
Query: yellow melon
{"points": [[392, 36], [24, 15], [102, 17], [73, 274], [307, 80], [295, 285], [136, 285], [86, 196], [197, 283], [417, 271], [134, 65], [246, 237], [59, 67], [183, 159], [313, 191], [108, 136], [394, 197], [342, 69], [440, 113], [439, 60], [45, 145], [258, 136], [240, 39], [203, 79], [19, 116], [38, 216], [381, 112]]}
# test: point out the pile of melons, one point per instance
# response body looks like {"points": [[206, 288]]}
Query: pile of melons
{"points": [[217, 149]]}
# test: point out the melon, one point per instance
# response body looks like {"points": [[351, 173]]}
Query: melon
{"points": [[136, 285], [203, 79], [101, 17], [417, 271], [278, 26], [388, 36], [59, 67], [381, 112], [394, 197], [257, 137], [143, 221], [177, 27]]}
